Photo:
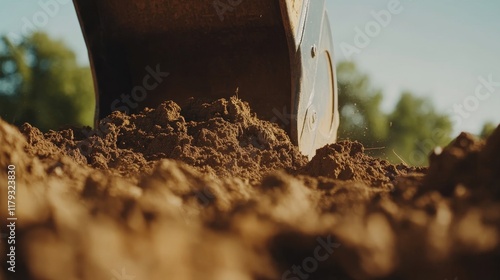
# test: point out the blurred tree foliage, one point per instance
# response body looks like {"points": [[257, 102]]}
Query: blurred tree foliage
{"points": [[359, 107], [41, 83], [487, 130], [408, 133]]}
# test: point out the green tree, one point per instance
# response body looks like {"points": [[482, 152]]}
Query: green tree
{"points": [[359, 105], [487, 130], [41, 83], [408, 133], [416, 129]]}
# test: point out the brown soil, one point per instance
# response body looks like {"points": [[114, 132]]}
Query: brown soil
{"points": [[209, 191]]}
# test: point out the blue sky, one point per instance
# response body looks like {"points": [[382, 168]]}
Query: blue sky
{"points": [[435, 48]]}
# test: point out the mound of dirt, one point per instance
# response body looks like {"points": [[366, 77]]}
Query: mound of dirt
{"points": [[208, 191], [467, 162], [222, 138], [346, 161]]}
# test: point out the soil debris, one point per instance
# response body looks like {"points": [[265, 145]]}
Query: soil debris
{"points": [[347, 161], [221, 138], [209, 191]]}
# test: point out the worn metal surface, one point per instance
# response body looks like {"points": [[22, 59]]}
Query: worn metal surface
{"points": [[316, 97], [259, 48]]}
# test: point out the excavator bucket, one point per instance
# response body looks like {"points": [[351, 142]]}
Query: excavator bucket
{"points": [[275, 54]]}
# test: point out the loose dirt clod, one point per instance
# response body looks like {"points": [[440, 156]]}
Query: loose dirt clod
{"points": [[467, 162], [346, 161], [209, 191]]}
